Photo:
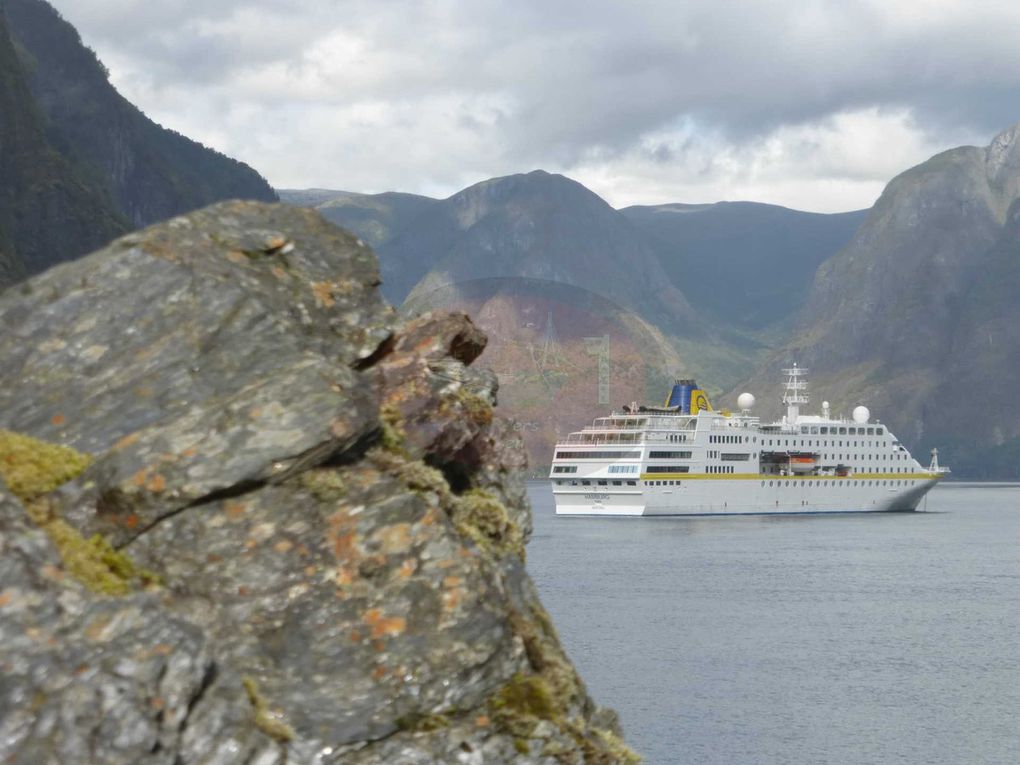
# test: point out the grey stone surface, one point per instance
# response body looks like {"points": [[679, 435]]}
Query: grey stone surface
{"points": [[331, 518]]}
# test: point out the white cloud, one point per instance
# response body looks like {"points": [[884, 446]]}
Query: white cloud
{"points": [[813, 105]]}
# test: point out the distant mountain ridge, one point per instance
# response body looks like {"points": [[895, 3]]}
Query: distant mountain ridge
{"points": [[376, 218], [752, 263], [127, 171], [723, 281], [538, 225]]}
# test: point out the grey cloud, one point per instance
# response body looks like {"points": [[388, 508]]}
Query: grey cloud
{"points": [[584, 78]]}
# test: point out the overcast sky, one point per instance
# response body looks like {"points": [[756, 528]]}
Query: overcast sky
{"points": [[813, 105]]}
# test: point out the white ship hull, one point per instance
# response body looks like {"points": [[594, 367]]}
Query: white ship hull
{"points": [[738, 495], [687, 459]]}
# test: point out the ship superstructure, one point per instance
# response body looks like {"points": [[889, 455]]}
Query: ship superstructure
{"points": [[686, 458]]}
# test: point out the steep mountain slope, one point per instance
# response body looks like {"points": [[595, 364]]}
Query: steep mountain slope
{"points": [[752, 263], [376, 218], [917, 316], [150, 173], [47, 212], [536, 226]]}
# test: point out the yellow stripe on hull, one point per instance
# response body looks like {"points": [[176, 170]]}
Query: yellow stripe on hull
{"points": [[773, 477]]}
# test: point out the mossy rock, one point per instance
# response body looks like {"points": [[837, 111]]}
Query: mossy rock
{"points": [[267, 720], [325, 484], [480, 516], [524, 701], [32, 468]]}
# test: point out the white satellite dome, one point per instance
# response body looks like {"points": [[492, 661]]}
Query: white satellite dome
{"points": [[861, 415], [745, 400]]}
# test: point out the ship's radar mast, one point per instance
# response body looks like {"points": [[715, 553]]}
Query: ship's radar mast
{"points": [[796, 393]]}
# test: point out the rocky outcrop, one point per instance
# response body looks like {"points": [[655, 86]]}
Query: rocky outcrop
{"points": [[294, 528]]}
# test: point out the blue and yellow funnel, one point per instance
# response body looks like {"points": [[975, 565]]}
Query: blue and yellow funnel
{"points": [[689, 397]]}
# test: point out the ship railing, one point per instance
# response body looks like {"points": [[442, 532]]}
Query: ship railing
{"points": [[600, 439]]}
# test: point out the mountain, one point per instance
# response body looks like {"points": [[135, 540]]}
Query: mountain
{"points": [[753, 263], [48, 212], [537, 226], [376, 218], [125, 170], [917, 317]]}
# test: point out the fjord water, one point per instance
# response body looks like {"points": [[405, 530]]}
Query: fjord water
{"points": [[845, 639]]}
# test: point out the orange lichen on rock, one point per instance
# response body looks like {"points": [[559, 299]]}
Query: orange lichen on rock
{"points": [[384, 626], [395, 539], [407, 568], [148, 478], [234, 510], [127, 441], [342, 536], [323, 292]]}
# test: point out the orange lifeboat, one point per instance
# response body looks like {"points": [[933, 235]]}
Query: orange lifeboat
{"points": [[802, 464]]}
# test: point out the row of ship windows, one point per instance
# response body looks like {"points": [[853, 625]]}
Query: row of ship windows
{"points": [[848, 482], [730, 439], [826, 430], [617, 469], [597, 455], [796, 442], [597, 483], [732, 456], [661, 455]]}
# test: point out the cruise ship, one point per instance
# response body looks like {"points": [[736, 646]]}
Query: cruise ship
{"points": [[686, 458]]}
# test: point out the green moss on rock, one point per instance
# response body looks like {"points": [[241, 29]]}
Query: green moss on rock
{"points": [[324, 483], [522, 703], [473, 406], [31, 467], [481, 517], [414, 474], [423, 723], [393, 436], [266, 720]]}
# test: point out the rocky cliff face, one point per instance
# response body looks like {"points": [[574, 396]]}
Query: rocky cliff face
{"points": [[48, 211], [108, 168], [280, 525], [915, 317]]}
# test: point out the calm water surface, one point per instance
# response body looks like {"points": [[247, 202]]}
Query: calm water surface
{"points": [[850, 639]]}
